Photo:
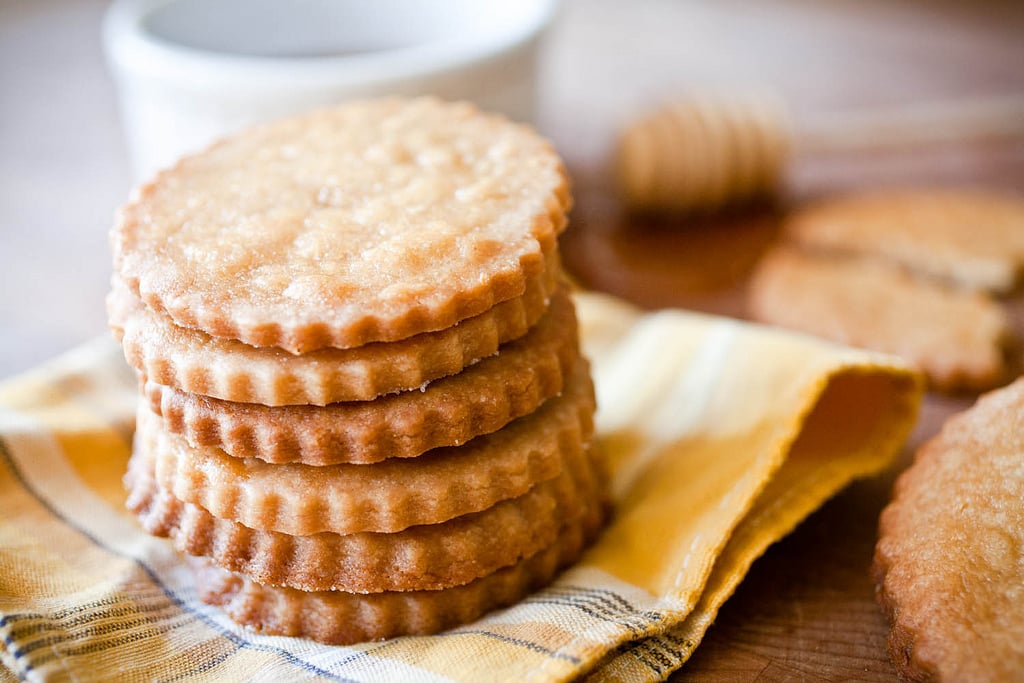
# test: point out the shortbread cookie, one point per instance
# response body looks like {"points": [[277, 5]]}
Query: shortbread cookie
{"points": [[338, 618], [425, 557], [197, 363], [956, 337], [447, 412], [950, 557], [370, 221], [973, 238], [387, 496]]}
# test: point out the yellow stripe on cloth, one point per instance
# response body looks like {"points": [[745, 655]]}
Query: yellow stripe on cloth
{"points": [[722, 437]]}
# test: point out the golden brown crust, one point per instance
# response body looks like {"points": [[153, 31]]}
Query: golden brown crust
{"points": [[449, 411], [426, 557], [197, 363], [339, 618], [957, 338], [948, 563], [387, 496], [370, 221], [973, 238]]}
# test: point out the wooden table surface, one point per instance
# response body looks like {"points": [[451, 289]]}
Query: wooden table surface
{"points": [[806, 610]]}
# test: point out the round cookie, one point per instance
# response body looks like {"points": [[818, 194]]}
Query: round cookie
{"points": [[371, 221], [446, 412], [423, 557], [387, 496], [958, 338], [197, 363], [972, 238], [340, 618], [949, 563]]}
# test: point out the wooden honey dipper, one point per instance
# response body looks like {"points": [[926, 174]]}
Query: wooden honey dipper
{"points": [[710, 151]]}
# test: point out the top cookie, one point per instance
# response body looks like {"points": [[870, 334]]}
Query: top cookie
{"points": [[971, 237], [372, 221]]}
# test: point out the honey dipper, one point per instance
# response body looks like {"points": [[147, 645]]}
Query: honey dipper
{"points": [[709, 151]]}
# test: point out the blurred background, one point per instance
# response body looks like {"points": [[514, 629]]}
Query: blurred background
{"points": [[806, 610], [64, 166]]}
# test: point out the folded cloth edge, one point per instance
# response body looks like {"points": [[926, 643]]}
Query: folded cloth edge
{"points": [[76, 358]]}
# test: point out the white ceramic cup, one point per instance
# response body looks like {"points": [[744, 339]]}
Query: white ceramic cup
{"points": [[190, 71]]}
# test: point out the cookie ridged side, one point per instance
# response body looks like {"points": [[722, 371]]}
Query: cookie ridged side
{"points": [[426, 557], [387, 496], [194, 362], [949, 563], [370, 221], [449, 411], [339, 618]]}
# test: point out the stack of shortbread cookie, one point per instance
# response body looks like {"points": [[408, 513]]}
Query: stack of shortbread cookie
{"points": [[364, 412]]}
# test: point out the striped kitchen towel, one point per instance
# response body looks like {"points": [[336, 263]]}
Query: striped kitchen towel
{"points": [[722, 436]]}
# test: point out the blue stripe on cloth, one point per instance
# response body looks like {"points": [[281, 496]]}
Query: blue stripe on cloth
{"points": [[8, 459], [527, 644], [603, 605], [15, 650]]}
